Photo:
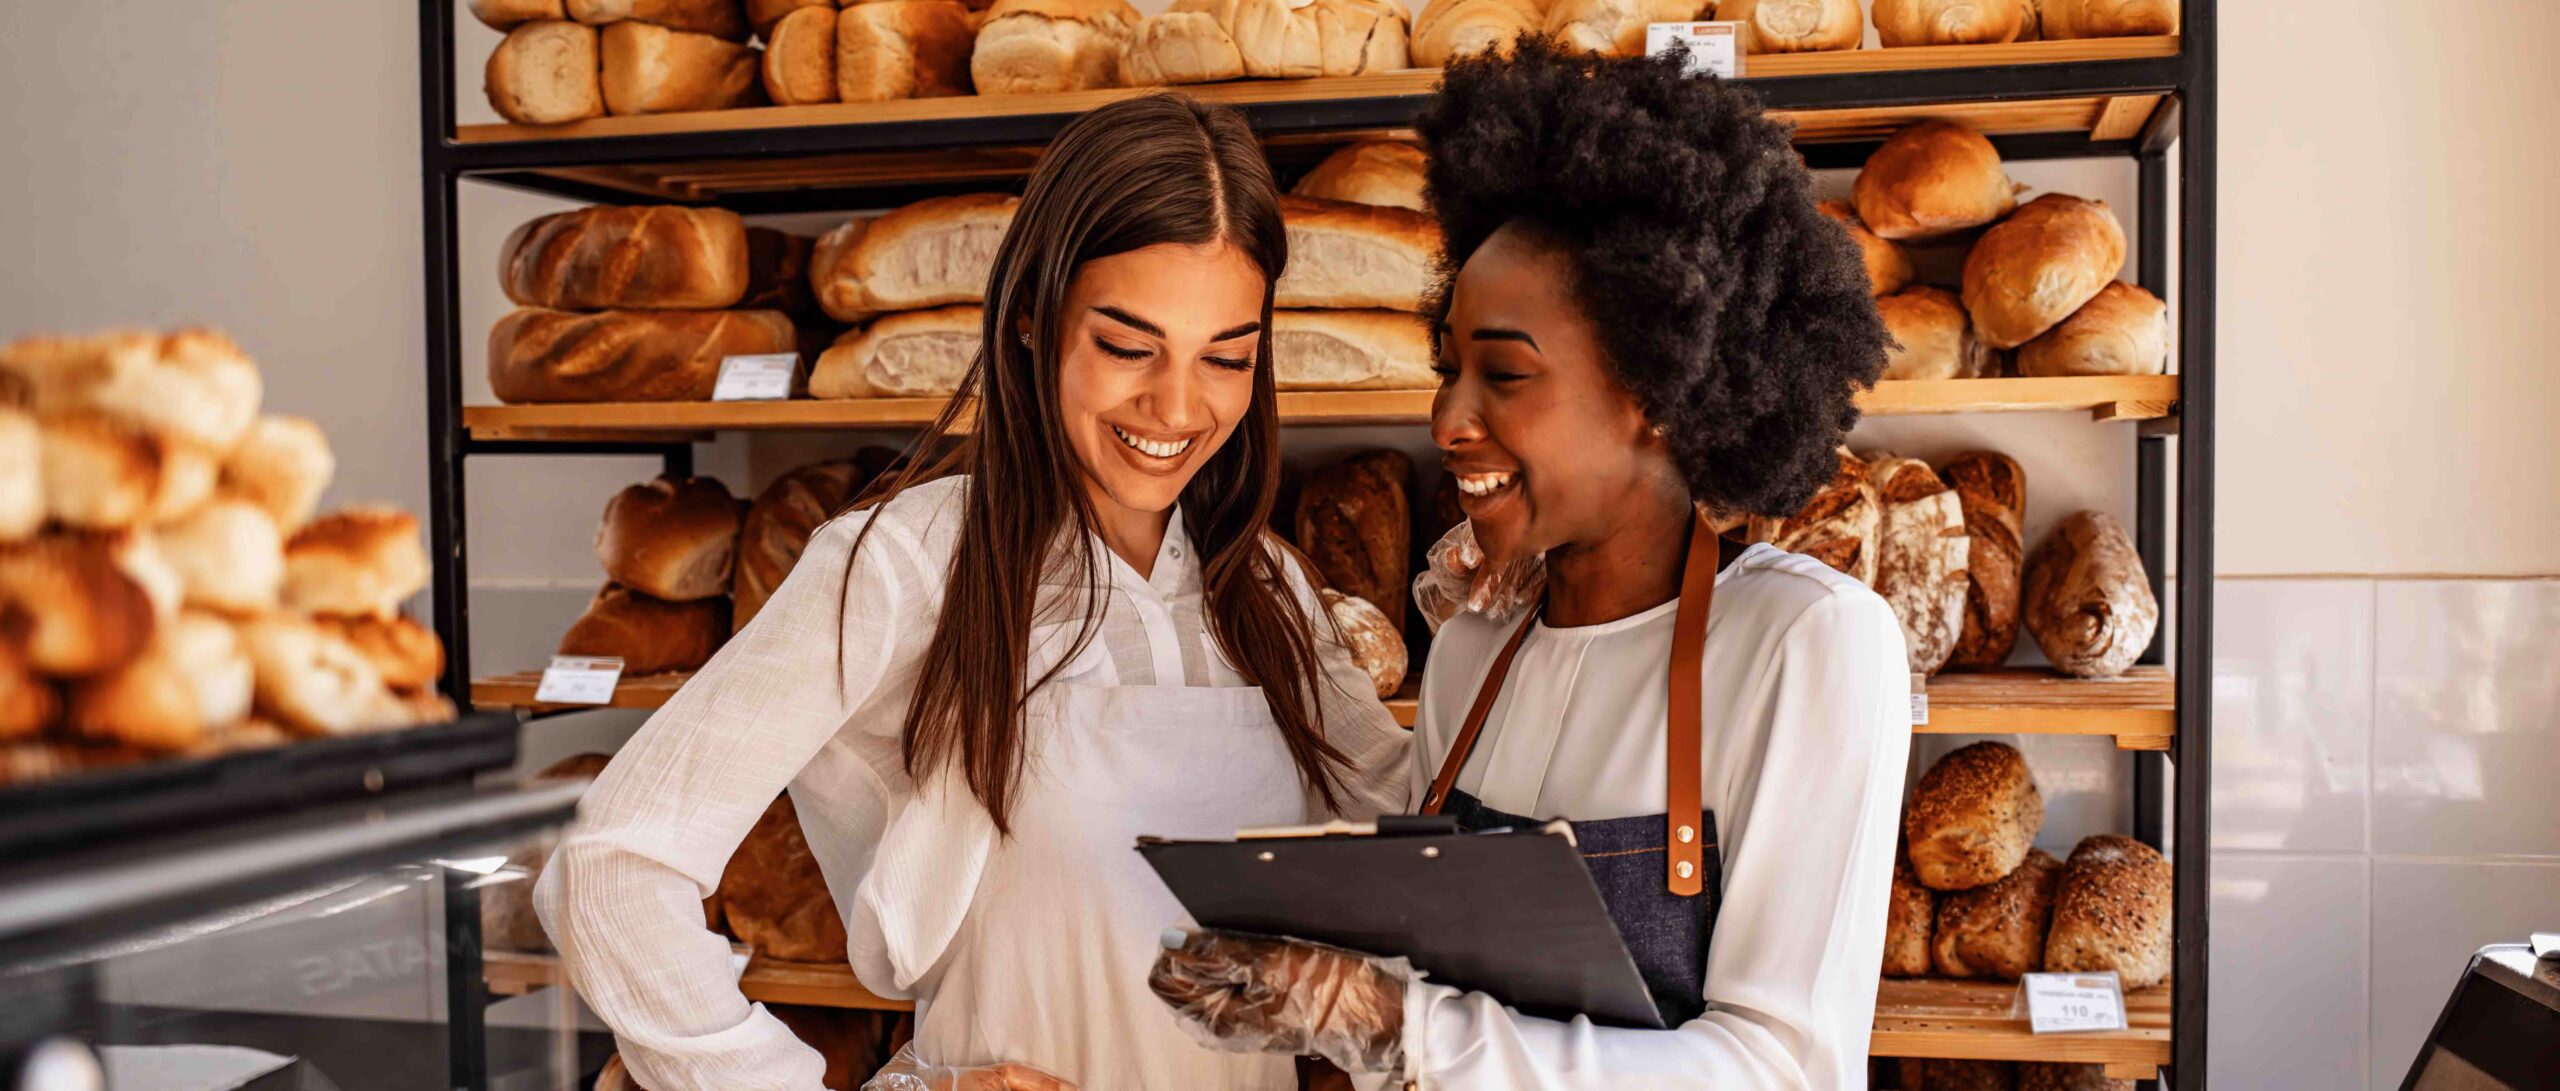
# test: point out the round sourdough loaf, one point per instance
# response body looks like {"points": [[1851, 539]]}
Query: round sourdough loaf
{"points": [[1932, 338], [1931, 179], [2087, 599], [1951, 22], [2030, 271], [1973, 817], [2123, 330]]}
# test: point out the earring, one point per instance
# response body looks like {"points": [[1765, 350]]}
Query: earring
{"points": [[1024, 338], [1658, 433]]}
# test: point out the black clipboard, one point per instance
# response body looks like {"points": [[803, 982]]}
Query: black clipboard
{"points": [[1509, 913]]}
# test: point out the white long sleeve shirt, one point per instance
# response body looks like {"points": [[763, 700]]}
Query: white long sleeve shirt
{"points": [[812, 696], [1807, 730]]}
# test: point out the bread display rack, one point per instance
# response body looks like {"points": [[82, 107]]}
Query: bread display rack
{"points": [[2150, 100]]}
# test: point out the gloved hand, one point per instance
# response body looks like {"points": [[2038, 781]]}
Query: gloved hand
{"points": [[905, 1073], [1455, 577], [1241, 993]]}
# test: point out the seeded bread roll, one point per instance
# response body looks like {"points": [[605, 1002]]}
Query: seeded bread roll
{"points": [[717, 18], [357, 562], [931, 253], [1888, 268], [1449, 29], [2062, 19], [1932, 179], [650, 636], [2030, 271], [509, 14], [902, 49], [282, 464], [546, 72], [1951, 22], [21, 474], [1997, 930], [1932, 337], [539, 355], [627, 256], [1374, 172], [2087, 600], [1351, 256], [778, 525], [1992, 489], [1373, 640], [193, 386], [2053, 1076], [773, 895], [671, 540], [192, 677], [407, 655], [1794, 26], [228, 555], [1908, 923], [2123, 330], [2112, 912], [1973, 817], [1350, 350], [1040, 47], [1837, 527], [650, 69], [1921, 553], [74, 606], [912, 354]]}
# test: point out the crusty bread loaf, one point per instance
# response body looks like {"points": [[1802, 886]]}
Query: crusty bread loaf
{"points": [[775, 898], [358, 562], [1350, 350], [1996, 930], [764, 15], [2061, 19], [1950, 1074], [778, 525], [1614, 28], [2030, 271], [191, 677], [650, 636], [2087, 599], [2112, 912], [1351, 256], [28, 704], [1910, 913], [1837, 527], [1039, 47], [73, 606], [1373, 640], [1921, 553], [191, 385], [1992, 489], [1449, 29], [1972, 817], [936, 251], [1794, 26], [2123, 330], [539, 355], [672, 540], [649, 69], [912, 354], [900, 49], [1353, 522], [1185, 44], [1372, 172], [546, 73], [407, 655], [22, 507], [229, 557], [1932, 179], [1888, 267], [509, 14], [627, 256], [717, 18], [2060, 1076], [1932, 337], [1950, 22], [314, 683], [799, 63], [282, 464], [1197, 41]]}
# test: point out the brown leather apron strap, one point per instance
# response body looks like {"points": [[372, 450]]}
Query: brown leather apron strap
{"points": [[1438, 797]]}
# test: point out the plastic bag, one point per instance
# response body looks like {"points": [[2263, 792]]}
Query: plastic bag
{"points": [[1454, 578], [905, 1073], [1240, 993]]}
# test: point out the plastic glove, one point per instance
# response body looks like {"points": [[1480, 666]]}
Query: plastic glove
{"points": [[1455, 577], [1241, 993], [905, 1073]]}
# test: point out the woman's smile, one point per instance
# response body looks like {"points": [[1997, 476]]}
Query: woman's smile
{"points": [[1154, 452]]}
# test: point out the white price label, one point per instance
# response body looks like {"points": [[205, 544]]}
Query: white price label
{"points": [[1714, 48], [2063, 1003], [760, 378], [579, 680], [1919, 700]]}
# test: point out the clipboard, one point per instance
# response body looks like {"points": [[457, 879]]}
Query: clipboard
{"points": [[1511, 913]]}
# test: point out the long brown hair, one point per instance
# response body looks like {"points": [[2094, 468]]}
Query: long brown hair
{"points": [[1140, 172]]}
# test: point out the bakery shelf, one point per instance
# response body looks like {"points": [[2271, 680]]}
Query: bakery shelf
{"points": [[765, 981], [1929, 1017]]}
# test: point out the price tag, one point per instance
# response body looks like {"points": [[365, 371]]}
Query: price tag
{"points": [[760, 378], [1919, 700], [579, 680], [2064, 1003], [1714, 48]]}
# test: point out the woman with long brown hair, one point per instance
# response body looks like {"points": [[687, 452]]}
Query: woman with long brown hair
{"points": [[981, 688]]}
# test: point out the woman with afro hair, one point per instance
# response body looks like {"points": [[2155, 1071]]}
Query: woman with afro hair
{"points": [[1646, 331]]}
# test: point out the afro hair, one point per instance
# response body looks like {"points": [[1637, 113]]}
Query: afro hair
{"points": [[1738, 316]]}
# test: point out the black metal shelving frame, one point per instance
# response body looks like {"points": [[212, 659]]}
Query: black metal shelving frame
{"points": [[2175, 148]]}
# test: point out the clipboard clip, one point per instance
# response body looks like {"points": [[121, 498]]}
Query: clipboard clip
{"points": [[1408, 825]]}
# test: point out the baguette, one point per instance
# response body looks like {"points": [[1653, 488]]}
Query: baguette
{"points": [[538, 355], [911, 354], [934, 252], [649, 69], [639, 256], [545, 73], [901, 49], [1356, 256], [717, 18]]}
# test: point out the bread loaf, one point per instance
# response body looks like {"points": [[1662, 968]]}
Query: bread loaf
{"points": [[672, 540], [1350, 350], [2113, 912], [509, 14], [936, 251], [717, 18], [1353, 523], [799, 62], [546, 73], [1040, 47], [1888, 268], [71, 604], [1372, 639], [190, 678], [2123, 330], [1908, 923], [1352, 256], [638, 256], [1972, 817], [1997, 930], [358, 562], [2056, 1076], [1793, 26], [1197, 41], [1615, 28], [228, 555], [1932, 179], [778, 525], [2061, 19], [903, 49], [912, 354], [1992, 490], [1374, 172], [764, 15], [314, 683], [1950, 22], [1947, 1074], [1932, 338], [194, 386], [650, 69], [1449, 29], [1185, 44], [22, 504], [650, 636], [1921, 554], [407, 655], [775, 898], [28, 704], [2030, 271], [2087, 600], [1837, 527], [539, 355], [282, 465]]}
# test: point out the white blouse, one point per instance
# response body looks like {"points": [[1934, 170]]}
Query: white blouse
{"points": [[812, 696], [1807, 730]]}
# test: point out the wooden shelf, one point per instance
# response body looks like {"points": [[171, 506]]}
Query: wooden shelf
{"points": [[1923, 1017], [766, 981]]}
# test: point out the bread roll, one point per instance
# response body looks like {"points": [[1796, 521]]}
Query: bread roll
{"points": [[1373, 172], [1351, 256], [774, 896], [1950, 22], [228, 555], [913, 354], [1932, 337], [1449, 29], [1792, 26], [191, 677], [2087, 600], [1183, 45], [538, 355], [2123, 330], [650, 69], [672, 540], [1944, 1074], [717, 18], [1837, 527], [903, 49], [1614, 28], [1351, 350], [2061, 19], [2030, 271], [22, 507], [1374, 642], [2055, 1076], [1196, 41], [1932, 179], [936, 251], [799, 63], [407, 655], [635, 256], [136, 553], [1972, 817], [282, 465], [101, 473], [1888, 268], [73, 607], [546, 73], [777, 527], [2113, 912], [509, 14], [1921, 554], [358, 562], [650, 636], [1992, 490], [28, 704], [314, 683], [1997, 930], [1039, 47], [1908, 923], [1352, 521], [189, 385]]}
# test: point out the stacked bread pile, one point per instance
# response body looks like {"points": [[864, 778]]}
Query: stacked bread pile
{"points": [[1354, 527], [164, 588], [668, 548], [865, 52], [567, 60], [912, 282], [1205, 41]]}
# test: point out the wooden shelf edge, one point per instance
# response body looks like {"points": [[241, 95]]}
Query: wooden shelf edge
{"points": [[1970, 1020], [765, 981]]}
